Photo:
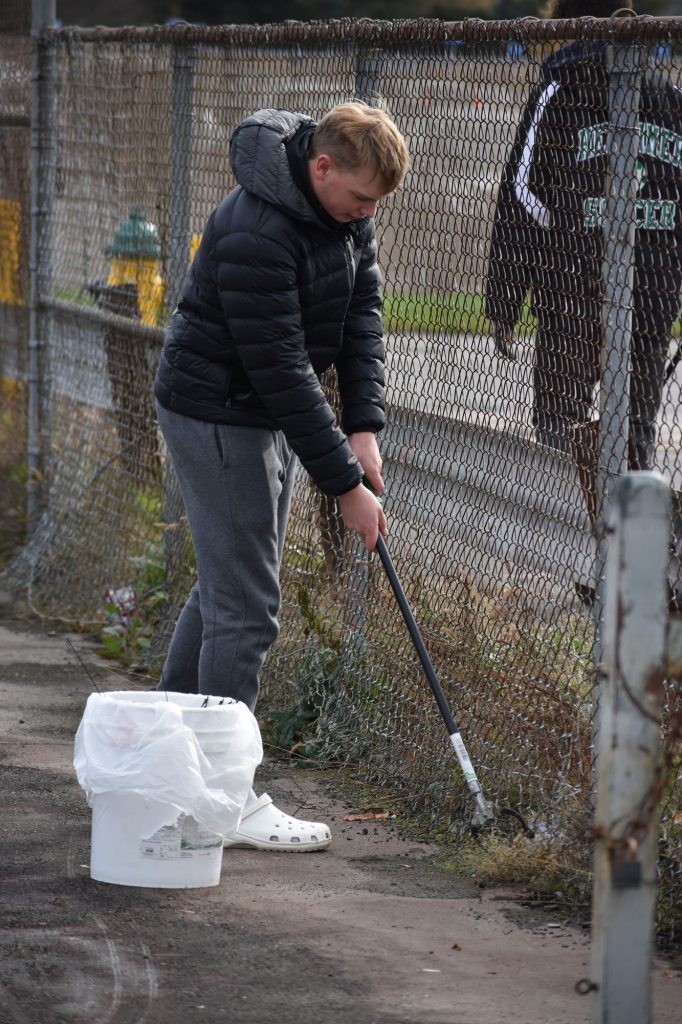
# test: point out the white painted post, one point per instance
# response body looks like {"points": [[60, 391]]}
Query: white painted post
{"points": [[629, 755]]}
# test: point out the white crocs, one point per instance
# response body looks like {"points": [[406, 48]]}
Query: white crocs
{"points": [[264, 827]]}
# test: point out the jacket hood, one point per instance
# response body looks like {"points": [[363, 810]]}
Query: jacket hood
{"points": [[584, 63], [259, 160]]}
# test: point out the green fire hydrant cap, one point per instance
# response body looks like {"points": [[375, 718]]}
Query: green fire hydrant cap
{"points": [[136, 238]]}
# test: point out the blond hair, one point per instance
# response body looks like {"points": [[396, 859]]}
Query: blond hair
{"points": [[356, 135]]}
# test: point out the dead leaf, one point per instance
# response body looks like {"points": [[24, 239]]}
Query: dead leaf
{"points": [[368, 816], [457, 946]]}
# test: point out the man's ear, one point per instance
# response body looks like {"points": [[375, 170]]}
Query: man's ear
{"points": [[322, 165]]}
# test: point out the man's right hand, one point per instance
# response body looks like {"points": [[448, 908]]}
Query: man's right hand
{"points": [[504, 339], [362, 513]]}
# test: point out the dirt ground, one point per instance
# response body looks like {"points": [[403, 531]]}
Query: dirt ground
{"points": [[371, 931]]}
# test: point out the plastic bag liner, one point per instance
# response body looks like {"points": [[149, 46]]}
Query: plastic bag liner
{"points": [[131, 742]]}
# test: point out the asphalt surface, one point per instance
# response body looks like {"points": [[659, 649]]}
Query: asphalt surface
{"points": [[371, 931]]}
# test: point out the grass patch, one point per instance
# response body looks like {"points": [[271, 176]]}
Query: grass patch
{"points": [[78, 296], [452, 313], [542, 870], [434, 312]]}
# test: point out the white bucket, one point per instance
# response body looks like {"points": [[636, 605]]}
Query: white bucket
{"points": [[179, 856], [142, 841]]}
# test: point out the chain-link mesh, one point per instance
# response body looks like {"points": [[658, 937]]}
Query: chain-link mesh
{"points": [[493, 248]]}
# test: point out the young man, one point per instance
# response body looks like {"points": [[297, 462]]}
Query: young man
{"points": [[284, 284]]}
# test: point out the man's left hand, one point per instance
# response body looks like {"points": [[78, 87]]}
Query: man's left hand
{"points": [[504, 340]]}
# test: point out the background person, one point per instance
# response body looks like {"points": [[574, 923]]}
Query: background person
{"points": [[284, 284], [548, 240]]}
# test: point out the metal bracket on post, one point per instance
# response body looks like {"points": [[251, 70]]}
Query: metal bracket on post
{"points": [[629, 754]]}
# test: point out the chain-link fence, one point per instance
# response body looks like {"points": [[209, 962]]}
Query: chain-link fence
{"points": [[527, 161]]}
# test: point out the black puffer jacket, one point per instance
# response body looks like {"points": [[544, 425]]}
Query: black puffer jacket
{"points": [[275, 295]]}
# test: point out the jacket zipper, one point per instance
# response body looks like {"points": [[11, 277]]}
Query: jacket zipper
{"points": [[350, 253]]}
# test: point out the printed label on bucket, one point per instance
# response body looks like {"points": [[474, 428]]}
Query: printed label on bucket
{"points": [[186, 839]]}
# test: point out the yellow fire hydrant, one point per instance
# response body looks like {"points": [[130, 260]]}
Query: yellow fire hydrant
{"points": [[135, 260]]}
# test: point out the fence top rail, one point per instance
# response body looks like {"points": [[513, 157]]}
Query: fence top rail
{"points": [[637, 28]]}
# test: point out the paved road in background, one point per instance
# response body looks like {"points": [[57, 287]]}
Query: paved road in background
{"points": [[456, 376], [461, 377]]}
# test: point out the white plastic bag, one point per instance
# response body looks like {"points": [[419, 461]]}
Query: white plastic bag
{"points": [[129, 741]]}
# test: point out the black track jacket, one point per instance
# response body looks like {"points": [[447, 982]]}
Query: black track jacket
{"points": [[547, 233], [275, 295]]}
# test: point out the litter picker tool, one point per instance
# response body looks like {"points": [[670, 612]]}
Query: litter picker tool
{"points": [[485, 811]]}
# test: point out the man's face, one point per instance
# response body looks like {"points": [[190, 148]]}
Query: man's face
{"points": [[346, 195]]}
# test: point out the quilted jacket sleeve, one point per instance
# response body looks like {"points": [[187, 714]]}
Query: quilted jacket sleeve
{"points": [[518, 223], [257, 283]]}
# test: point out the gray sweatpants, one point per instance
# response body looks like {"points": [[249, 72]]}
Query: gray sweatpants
{"points": [[236, 485]]}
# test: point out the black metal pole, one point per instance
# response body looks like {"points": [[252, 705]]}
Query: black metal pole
{"points": [[382, 551]]}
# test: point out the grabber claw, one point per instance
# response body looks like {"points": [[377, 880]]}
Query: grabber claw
{"points": [[484, 813]]}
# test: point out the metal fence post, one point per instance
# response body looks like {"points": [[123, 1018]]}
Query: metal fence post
{"points": [[43, 13], [368, 77], [630, 752], [355, 559], [182, 102], [625, 71]]}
